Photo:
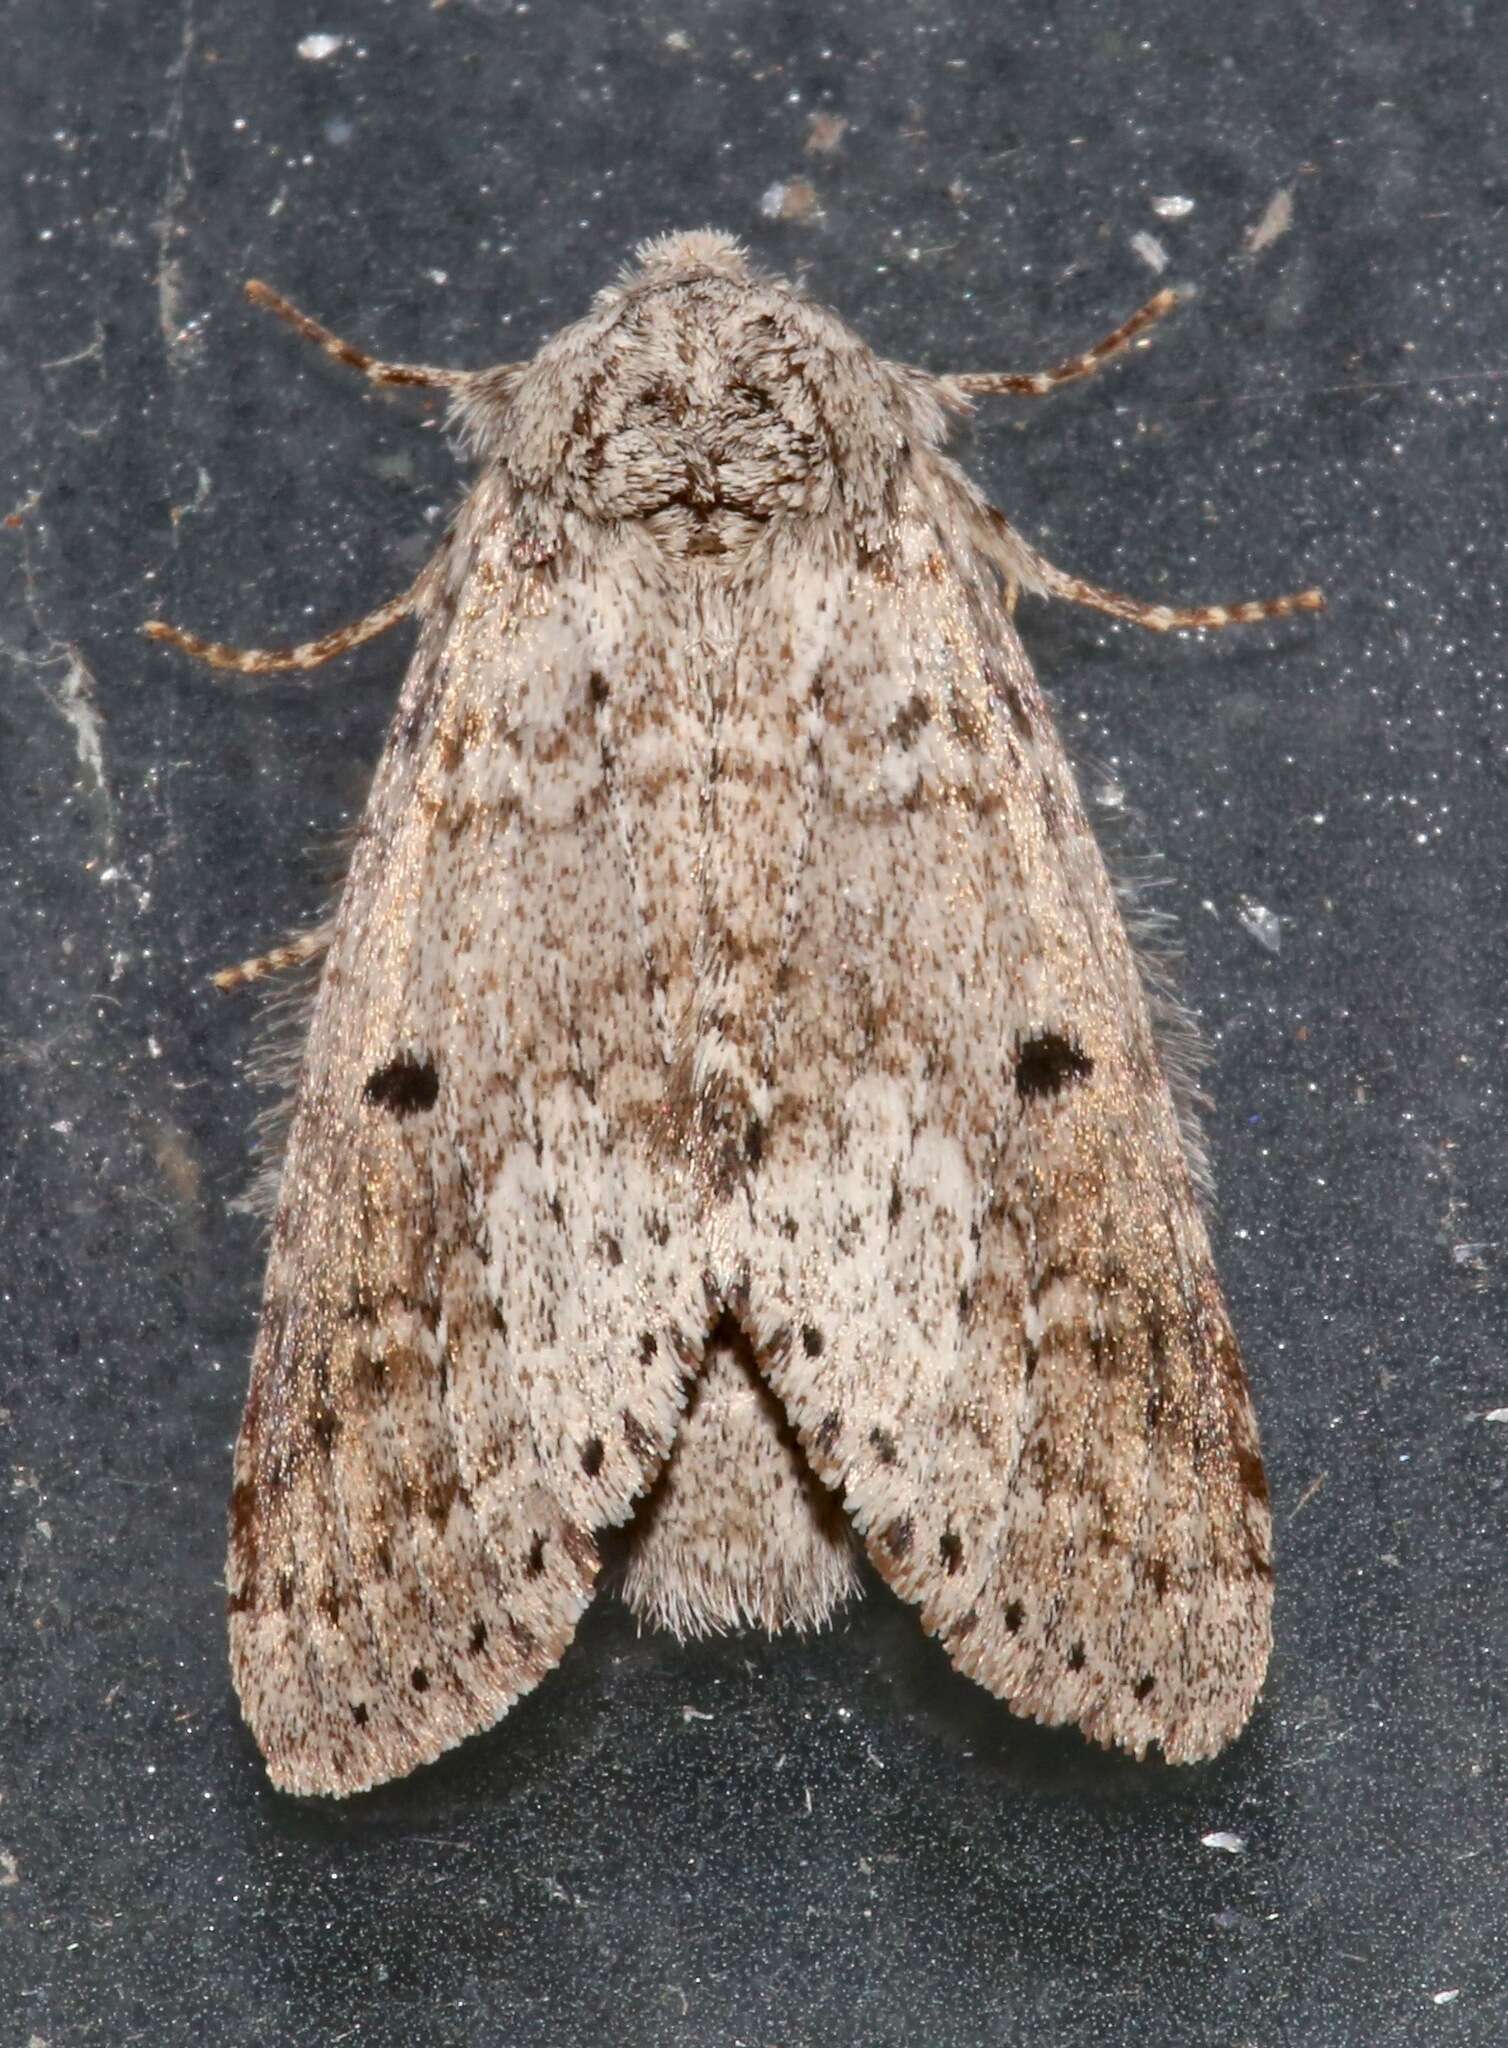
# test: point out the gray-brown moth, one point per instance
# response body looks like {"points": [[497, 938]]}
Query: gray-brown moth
{"points": [[731, 1099]]}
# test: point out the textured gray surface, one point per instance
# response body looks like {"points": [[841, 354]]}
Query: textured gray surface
{"points": [[833, 1841]]}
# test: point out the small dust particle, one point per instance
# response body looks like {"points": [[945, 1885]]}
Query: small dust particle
{"points": [[1151, 252], [315, 49], [824, 132], [1233, 1845], [1173, 207], [1277, 219], [1264, 925], [795, 200], [1445, 1997]]}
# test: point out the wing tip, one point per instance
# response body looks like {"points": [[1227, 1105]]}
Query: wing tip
{"points": [[1186, 1722]]}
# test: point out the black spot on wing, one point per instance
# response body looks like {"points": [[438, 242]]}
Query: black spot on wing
{"points": [[1046, 1064], [404, 1087]]}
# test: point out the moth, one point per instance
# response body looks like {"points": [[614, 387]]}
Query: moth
{"points": [[731, 1099]]}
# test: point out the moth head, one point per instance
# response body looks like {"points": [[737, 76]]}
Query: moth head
{"points": [[710, 406], [675, 258]]}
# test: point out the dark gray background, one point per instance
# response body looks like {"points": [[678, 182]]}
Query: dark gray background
{"points": [[812, 1842]]}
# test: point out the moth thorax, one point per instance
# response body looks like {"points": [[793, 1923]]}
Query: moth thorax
{"points": [[704, 444]]}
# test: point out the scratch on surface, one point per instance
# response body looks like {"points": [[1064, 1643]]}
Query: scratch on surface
{"points": [[178, 513], [1332, 1738], [180, 176], [94, 353], [1310, 1492], [1354, 387], [72, 695], [75, 699]]}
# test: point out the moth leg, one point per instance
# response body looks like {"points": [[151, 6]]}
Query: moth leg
{"points": [[1039, 383], [1165, 618], [417, 376], [307, 946], [1024, 569], [263, 661]]}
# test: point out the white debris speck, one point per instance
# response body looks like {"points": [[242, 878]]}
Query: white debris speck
{"points": [[1172, 207], [1445, 1997], [1265, 926], [315, 49], [1496, 1415], [824, 132], [75, 699], [694, 1714], [796, 199], [678, 40], [1233, 1845], [1277, 219], [1151, 252]]}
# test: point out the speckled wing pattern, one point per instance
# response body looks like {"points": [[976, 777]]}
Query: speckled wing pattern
{"points": [[730, 1094], [441, 1413]]}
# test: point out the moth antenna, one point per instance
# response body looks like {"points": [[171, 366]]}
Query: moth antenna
{"points": [[263, 661], [416, 376], [1041, 383], [307, 946]]}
